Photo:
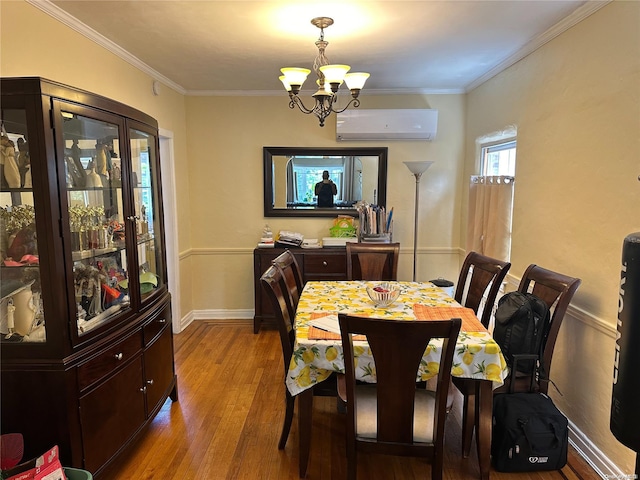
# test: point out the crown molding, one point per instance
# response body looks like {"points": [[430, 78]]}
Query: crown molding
{"points": [[281, 92], [56, 12], [562, 26]]}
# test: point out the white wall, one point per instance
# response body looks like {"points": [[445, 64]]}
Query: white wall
{"points": [[576, 104]]}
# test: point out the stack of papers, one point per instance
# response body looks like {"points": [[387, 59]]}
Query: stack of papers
{"points": [[337, 241], [292, 239]]}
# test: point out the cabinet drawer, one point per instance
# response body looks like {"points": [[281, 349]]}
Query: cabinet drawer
{"points": [[155, 326], [320, 265], [108, 360]]}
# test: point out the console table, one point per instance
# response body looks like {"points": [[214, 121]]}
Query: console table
{"points": [[328, 263]]}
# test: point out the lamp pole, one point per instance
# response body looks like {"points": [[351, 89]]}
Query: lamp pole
{"points": [[417, 168]]}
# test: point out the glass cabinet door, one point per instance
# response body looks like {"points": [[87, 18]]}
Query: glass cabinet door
{"points": [[21, 311], [147, 215], [96, 209]]}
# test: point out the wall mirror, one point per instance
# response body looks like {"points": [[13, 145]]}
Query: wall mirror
{"points": [[291, 175]]}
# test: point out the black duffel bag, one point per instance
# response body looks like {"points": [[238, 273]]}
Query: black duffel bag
{"points": [[529, 433]]}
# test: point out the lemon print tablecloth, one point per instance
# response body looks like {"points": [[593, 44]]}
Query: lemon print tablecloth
{"points": [[477, 355]]}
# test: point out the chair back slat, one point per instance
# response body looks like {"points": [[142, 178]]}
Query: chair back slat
{"points": [[273, 283], [371, 261], [478, 274], [292, 278]]}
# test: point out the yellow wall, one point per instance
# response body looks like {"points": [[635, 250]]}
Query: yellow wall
{"points": [[576, 104], [225, 139], [56, 52]]}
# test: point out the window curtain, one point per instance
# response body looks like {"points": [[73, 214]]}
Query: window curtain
{"points": [[347, 183], [489, 224], [292, 195]]}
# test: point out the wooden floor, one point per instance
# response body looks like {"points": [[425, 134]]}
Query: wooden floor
{"points": [[227, 422]]}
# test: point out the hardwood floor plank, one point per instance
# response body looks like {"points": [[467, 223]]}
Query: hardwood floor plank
{"points": [[227, 423]]}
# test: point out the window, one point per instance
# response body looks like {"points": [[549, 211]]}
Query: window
{"points": [[306, 178], [491, 198], [499, 159]]}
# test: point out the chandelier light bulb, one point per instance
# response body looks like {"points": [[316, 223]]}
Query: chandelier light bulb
{"points": [[295, 76], [334, 73], [283, 79], [356, 80]]}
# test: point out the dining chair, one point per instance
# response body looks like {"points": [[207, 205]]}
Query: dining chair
{"points": [[557, 291], [393, 416], [273, 283], [479, 275], [292, 276], [372, 261]]}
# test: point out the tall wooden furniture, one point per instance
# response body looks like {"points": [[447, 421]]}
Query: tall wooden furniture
{"points": [[372, 261], [85, 331], [315, 264], [392, 416]]}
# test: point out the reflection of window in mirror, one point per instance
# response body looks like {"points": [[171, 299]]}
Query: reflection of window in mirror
{"points": [[356, 179]]}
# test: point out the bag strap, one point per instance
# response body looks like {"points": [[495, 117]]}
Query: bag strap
{"points": [[526, 429]]}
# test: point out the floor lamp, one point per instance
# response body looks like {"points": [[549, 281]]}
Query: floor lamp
{"points": [[417, 168]]}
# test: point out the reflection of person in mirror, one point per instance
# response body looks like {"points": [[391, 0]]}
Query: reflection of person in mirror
{"points": [[325, 190]]}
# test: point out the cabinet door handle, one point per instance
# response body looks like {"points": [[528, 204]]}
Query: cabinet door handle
{"points": [[324, 262], [143, 389], [119, 356], [162, 320], [133, 218], [150, 382]]}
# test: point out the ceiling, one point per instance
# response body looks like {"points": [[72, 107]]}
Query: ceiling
{"points": [[218, 47]]}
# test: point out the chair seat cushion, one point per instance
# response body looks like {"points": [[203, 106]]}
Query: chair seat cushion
{"points": [[367, 421]]}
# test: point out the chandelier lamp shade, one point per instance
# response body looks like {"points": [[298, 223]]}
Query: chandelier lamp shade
{"points": [[417, 168], [330, 77]]}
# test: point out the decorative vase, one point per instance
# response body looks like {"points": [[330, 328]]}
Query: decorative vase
{"points": [[25, 310], [101, 159]]}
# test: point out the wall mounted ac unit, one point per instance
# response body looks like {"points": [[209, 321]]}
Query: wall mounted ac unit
{"points": [[387, 124]]}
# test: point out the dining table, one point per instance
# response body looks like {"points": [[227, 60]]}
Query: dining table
{"points": [[318, 348]]}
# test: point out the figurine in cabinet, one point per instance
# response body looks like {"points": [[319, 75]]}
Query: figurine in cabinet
{"points": [[24, 163], [10, 172]]}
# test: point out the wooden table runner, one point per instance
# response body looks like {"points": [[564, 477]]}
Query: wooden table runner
{"points": [[470, 322], [319, 334]]}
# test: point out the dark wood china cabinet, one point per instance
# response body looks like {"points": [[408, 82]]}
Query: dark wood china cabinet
{"points": [[85, 316]]}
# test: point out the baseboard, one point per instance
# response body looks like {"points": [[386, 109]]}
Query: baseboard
{"points": [[593, 455]]}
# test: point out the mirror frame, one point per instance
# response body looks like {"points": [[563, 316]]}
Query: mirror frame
{"points": [[269, 152]]}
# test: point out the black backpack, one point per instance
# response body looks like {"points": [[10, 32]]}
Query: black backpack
{"points": [[521, 327]]}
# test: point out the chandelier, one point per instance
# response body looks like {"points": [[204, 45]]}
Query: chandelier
{"points": [[330, 77]]}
